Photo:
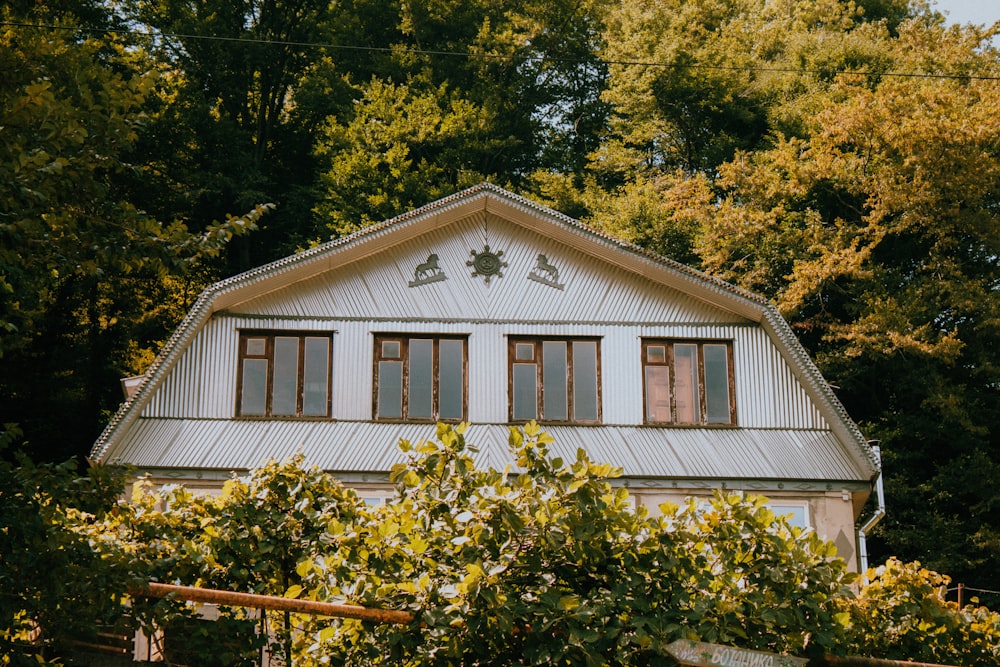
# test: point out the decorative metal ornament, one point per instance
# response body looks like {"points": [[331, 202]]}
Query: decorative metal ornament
{"points": [[546, 273], [487, 263], [427, 272]]}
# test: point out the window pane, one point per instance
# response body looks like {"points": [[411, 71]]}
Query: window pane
{"points": [[524, 351], [254, 387], [451, 378], [796, 515], [585, 380], [554, 380], [525, 392], [686, 383], [390, 349], [256, 347], [390, 389], [656, 354], [657, 394], [420, 401], [717, 384], [286, 375], [316, 377]]}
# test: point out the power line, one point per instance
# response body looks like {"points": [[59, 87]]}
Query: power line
{"points": [[491, 56], [976, 590]]}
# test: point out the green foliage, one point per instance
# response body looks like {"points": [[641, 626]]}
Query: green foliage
{"points": [[546, 562], [401, 149], [249, 538], [901, 614], [772, 144], [874, 229], [89, 283], [551, 564], [54, 585]]}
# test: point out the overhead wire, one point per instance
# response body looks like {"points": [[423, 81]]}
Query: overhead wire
{"points": [[494, 56]]}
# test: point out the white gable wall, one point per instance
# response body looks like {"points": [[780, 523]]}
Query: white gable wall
{"points": [[203, 382], [373, 295], [377, 288]]}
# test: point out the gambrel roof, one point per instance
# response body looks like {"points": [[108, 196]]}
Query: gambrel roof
{"points": [[837, 452]]}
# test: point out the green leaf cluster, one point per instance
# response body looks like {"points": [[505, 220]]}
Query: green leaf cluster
{"points": [[546, 562]]}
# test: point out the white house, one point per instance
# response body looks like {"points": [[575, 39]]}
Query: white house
{"points": [[489, 308]]}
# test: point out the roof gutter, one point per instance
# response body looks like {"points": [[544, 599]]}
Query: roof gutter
{"points": [[873, 520]]}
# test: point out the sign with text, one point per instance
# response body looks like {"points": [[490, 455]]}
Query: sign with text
{"points": [[700, 654]]}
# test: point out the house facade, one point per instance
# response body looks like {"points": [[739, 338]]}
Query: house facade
{"points": [[488, 308]]}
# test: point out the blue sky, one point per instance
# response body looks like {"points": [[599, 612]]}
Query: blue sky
{"points": [[969, 11]]}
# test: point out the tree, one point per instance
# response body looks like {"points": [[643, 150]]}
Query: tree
{"points": [[548, 564], [229, 133], [55, 583], [875, 229], [83, 271], [901, 613], [402, 148]]}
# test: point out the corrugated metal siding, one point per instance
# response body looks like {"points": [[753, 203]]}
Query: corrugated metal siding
{"points": [[203, 383], [377, 287], [369, 447]]}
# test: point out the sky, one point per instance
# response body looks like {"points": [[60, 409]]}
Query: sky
{"points": [[969, 11]]}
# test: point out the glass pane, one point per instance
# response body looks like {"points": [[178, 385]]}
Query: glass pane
{"points": [[657, 394], [420, 401], [390, 389], [286, 376], [585, 380], [795, 514], [254, 387], [390, 349], [316, 377], [656, 354], [717, 384], [524, 351], [525, 392], [686, 381], [554, 380], [256, 347], [451, 378]]}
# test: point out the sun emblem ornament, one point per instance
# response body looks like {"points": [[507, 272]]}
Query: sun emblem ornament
{"points": [[487, 263]]}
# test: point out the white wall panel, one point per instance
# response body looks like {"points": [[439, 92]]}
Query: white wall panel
{"points": [[378, 287], [203, 382]]}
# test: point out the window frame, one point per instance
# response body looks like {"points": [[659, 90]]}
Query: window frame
{"points": [[669, 362], [538, 359], [405, 340], [268, 355]]}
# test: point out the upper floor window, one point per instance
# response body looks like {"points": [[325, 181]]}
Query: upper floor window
{"points": [[284, 374], [554, 379], [420, 377], [688, 382]]}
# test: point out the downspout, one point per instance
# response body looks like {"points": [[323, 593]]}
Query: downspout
{"points": [[874, 518]]}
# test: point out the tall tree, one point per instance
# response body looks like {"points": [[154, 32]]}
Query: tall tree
{"points": [[228, 135], [851, 152], [83, 272], [875, 228]]}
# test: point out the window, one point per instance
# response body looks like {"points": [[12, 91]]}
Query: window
{"points": [[688, 382], [796, 514], [420, 378], [284, 374], [555, 380]]}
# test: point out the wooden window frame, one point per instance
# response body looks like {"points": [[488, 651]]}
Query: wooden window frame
{"points": [[404, 340], [269, 337], [538, 359], [669, 363]]}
